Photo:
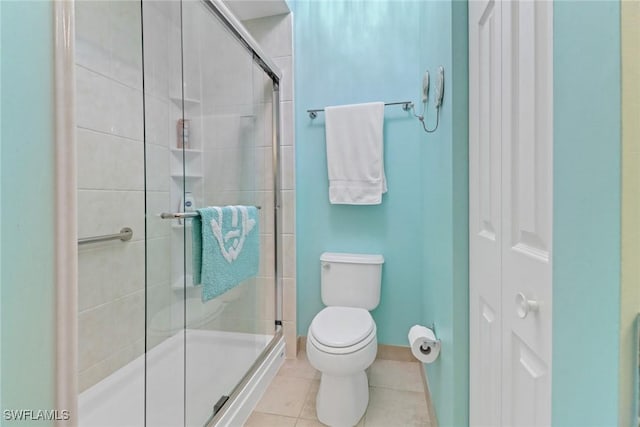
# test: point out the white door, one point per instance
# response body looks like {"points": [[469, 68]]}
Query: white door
{"points": [[485, 201], [510, 61]]}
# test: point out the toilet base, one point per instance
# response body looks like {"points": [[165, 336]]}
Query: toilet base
{"points": [[342, 400]]}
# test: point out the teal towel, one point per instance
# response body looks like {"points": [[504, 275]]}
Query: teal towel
{"points": [[226, 248]]}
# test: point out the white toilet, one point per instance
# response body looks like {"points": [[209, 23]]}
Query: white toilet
{"points": [[341, 342]]}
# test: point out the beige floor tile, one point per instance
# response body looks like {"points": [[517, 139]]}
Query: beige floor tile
{"points": [[396, 408], [309, 409], [260, 419], [285, 396], [396, 375], [299, 368], [315, 423], [308, 423]]}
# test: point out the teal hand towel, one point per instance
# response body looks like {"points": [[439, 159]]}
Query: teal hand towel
{"points": [[225, 248]]}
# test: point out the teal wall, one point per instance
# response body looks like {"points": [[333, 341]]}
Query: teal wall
{"points": [[358, 51], [27, 228], [0, 210], [586, 244], [444, 38], [351, 52]]}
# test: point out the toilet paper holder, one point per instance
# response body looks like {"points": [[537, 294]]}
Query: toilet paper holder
{"points": [[425, 348]]}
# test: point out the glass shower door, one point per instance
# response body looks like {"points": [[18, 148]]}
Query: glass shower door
{"points": [[165, 184], [230, 157], [208, 142]]}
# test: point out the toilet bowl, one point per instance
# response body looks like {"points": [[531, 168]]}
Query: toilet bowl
{"points": [[341, 341], [341, 344]]}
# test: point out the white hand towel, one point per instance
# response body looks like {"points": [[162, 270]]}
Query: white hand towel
{"points": [[355, 153]]}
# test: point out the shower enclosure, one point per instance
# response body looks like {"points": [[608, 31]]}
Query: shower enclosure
{"points": [[177, 109]]}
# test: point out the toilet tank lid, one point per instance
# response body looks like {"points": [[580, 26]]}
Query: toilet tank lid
{"points": [[352, 258]]}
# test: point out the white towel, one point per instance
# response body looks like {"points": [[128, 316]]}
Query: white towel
{"points": [[355, 153]]}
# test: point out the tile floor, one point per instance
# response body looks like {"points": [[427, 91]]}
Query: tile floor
{"points": [[396, 396]]}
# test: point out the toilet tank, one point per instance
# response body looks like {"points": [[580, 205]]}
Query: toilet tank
{"points": [[351, 280]]}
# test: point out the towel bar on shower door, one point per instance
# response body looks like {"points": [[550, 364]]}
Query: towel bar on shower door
{"points": [[178, 215]]}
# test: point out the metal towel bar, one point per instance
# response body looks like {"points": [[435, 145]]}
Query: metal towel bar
{"points": [[125, 234], [167, 215], [406, 106]]}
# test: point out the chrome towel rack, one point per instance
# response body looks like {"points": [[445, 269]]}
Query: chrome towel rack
{"points": [[180, 215], [125, 234], [406, 106]]}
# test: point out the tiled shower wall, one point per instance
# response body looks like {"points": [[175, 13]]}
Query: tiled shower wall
{"points": [[110, 186], [274, 34], [231, 116], [111, 180]]}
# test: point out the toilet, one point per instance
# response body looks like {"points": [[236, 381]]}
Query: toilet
{"points": [[341, 342]]}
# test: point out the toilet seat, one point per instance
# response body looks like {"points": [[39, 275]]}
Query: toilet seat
{"points": [[342, 330]]}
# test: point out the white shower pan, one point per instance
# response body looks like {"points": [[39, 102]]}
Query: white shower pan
{"points": [[216, 361]]}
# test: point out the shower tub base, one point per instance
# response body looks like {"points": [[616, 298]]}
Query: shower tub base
{"points": [[216, 361]]}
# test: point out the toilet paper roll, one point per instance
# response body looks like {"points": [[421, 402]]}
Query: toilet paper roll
{"points": [[424, 344]]}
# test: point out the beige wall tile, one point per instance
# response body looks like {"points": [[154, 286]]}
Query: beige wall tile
{"points": [[289, 329], [93, 35], [157, 168], [288, 212], [126, 43], [109, 272], [267, 261], [93, 374], [286, 89], [106, 212], [93, 100], [287, 123], [158, 202], [288, 164], [109, 162], [289, 255], [94, 336], [289, 299], [127, 320], [266, 298], [127, 116], [159, 129], [126, 355], [159, 261], [273, 33]]}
